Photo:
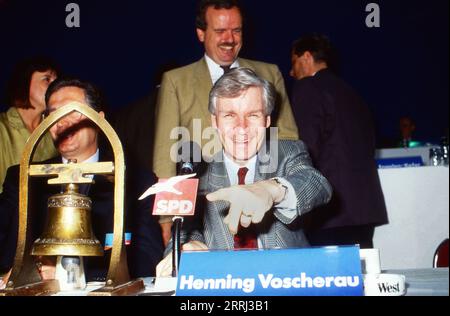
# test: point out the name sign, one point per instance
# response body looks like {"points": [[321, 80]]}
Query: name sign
{"points": [[319, 271], [402, 162]]}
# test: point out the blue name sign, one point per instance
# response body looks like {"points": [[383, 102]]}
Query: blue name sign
{"points": [[402, 162], [320, 271]]}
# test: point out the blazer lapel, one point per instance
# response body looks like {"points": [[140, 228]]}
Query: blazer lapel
{"points": [[267, 162], [259, 176], [243, 63], [202, 85], [218, 176], [218, 179]]}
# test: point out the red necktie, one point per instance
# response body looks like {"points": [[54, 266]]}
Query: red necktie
{"points": [[245, 238], [242, 172]]}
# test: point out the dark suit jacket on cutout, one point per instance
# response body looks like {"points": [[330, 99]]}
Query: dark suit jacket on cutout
{"points": [[336, 126]]}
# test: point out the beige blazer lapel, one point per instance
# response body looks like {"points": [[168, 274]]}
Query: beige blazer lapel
{"points": [[202, 87]]}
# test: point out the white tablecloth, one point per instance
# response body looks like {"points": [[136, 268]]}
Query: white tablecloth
{"points": [[417, 200]]}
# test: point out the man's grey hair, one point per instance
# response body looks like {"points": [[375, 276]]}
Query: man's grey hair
{"points": [[235, 82]]}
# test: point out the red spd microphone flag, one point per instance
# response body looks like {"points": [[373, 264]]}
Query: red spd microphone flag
{"points": [[169, 203], [175, 196]]}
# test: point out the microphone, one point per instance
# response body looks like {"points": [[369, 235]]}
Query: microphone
{"points": [[190, 156], [186, 168]]}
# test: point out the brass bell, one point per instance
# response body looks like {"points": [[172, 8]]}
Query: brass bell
{"points": [[68, 230]]}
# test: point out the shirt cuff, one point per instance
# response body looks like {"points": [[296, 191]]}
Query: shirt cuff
{"points": [[288, 206]]}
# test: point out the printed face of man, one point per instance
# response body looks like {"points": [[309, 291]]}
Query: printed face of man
{"points": [[74, 135], [241, 123], [38, 86], [223, 35]]}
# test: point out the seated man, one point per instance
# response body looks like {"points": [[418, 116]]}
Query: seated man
{"points": [[251, 203], [78, 138]]}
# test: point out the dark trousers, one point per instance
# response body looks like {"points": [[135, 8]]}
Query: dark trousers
{"points": [[340, 236]]}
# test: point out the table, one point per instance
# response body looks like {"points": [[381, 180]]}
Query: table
{"points": [[424, 282], [419, 282]]}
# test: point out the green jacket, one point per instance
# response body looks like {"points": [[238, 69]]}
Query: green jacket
{"points": [[13, 136]]}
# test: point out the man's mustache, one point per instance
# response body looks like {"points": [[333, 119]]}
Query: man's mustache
{"points": [[61, 135], [231, 44]]}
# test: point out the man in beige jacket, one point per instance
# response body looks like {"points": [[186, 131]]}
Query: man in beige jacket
{"points": [[183, 96]]}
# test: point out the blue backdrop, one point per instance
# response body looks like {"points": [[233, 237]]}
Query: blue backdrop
{"points": [[400, 68]]}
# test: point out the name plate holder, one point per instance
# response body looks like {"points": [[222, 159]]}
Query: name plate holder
{"points": [[318, 271]]}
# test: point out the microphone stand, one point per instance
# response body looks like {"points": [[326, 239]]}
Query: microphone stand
{"points": [[186, 168], [176, 253]]}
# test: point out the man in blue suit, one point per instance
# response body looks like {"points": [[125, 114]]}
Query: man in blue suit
{"points": [[77, 138]]}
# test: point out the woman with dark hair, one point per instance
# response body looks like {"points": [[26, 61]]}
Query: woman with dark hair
{"points": [[26, 96]]}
